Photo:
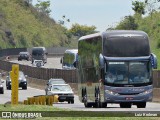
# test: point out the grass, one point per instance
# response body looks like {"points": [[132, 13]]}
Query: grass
{"points": [[50, 112]]}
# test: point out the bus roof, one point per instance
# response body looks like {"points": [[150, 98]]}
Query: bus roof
{"points": [[39, 48], [118, 33], [125, 33], [123, 43], [71, 51], [90, 36]]}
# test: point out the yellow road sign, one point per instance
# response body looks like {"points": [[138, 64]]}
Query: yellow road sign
{"points": [[15, 84]]}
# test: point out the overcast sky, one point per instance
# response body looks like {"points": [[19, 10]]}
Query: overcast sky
{"points": [[100, 13]]}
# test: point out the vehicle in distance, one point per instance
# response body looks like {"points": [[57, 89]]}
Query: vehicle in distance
{"points": [[63, 91], [38, 63], [22, 81], [39, 53], [1, 87], [69, 60], [54, 81], [24, 56]]}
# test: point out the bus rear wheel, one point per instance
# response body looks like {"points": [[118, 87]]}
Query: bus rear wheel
{"points": [[104, 105], [98, 103], [82, 95], [86, 104]]}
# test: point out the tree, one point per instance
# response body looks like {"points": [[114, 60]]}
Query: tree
{"points": [[81, 30], [28, 1], [151, 6], [138, 7], [128, 23], [64, 20], [43, 6]]}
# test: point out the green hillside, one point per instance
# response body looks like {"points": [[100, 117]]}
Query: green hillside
{"points": [[21, 25]]}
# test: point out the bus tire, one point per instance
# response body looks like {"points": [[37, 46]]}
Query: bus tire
{"points": [[141, 105], [69, 101], [72, 101], [104, 105], [82, 93], [98, 103], [86, 104]]}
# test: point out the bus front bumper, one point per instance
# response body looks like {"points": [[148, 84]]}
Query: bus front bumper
{"points": [[128, 98]]}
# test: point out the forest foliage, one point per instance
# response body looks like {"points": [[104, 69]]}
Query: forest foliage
{"points": [[149, 22], [23, 25]]}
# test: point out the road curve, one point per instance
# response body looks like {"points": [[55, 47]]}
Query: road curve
{"points": [[53, 62]]}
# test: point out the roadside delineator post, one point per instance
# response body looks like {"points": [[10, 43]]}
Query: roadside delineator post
{"points": [[40, 100], [37, 100], [43, 100], [15, 85], [56, 98], [32, 100], [52, 100], [46, 99], [28, 99]]}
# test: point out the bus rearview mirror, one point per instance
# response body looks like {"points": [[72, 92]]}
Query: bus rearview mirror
{"points": [[153, 61], [101, 61]]}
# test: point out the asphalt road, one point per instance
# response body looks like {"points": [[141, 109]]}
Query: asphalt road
{"points": [[22, 94], [30, 92], [51, 62], [110, 107]]}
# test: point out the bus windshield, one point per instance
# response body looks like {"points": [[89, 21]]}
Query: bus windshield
{"points": [[127, 73], [69, 59], [37, 51]]}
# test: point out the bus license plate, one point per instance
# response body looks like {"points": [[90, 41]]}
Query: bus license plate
{"points": [[129, 98]]}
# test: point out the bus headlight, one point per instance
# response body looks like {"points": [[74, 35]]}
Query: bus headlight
{"points": [[146, 92], [111, 92]]}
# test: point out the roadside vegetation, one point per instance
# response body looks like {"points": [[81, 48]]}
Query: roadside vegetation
{"points": [[22, 25], [57, 113], [146, 18], [25, 25]]}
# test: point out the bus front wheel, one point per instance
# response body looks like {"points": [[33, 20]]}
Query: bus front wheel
{"points": [[141, 105]]}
